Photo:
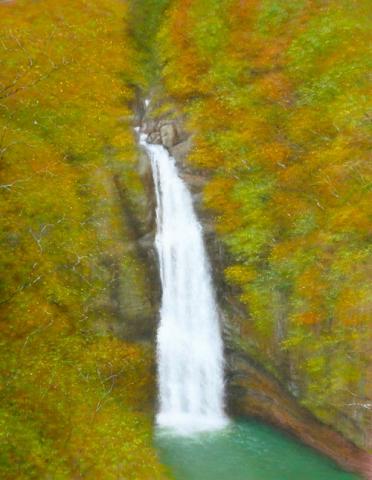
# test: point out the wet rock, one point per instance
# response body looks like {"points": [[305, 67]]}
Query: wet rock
{"points": [[155, 138], [180, 151], [149, 126], [195, 182], [253, 392]]}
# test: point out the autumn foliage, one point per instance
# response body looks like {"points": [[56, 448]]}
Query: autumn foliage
{"points": [[276, 94], [75, 400]]}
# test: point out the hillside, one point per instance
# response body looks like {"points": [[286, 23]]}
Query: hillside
{"points": [[265, 108]]}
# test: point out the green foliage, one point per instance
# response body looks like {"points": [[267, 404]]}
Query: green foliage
{"points": [[275, 15], [72, 408], [143, 23]]}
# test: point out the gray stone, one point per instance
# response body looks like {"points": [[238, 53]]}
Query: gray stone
{"points": [[149, 126], [168, 135], [181, 150], [154, 137]]}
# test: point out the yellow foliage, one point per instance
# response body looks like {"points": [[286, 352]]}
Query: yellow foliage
{"points": [[76, 403], [240, 274]]}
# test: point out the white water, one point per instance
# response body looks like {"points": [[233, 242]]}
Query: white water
{"points": [[189, 345]]}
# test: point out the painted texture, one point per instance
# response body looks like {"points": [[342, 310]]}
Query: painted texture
{"points": [[276, 96], [76, 402]]}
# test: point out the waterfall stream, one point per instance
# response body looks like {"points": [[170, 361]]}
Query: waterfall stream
{"points": [[189, 344]]}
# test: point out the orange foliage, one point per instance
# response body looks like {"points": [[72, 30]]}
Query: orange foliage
{"points": [[242, 12], [275, 86], [216, 195], [275, 155], [307, 318]]}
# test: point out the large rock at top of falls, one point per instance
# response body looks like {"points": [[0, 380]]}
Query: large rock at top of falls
{"points": [[168, 135]]}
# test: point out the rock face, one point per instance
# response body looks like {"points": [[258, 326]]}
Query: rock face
{"points": [[135, 296], [131, 275], [168, 135], [154, 137], [251, 391]]}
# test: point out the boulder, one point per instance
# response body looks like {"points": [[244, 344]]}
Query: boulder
{"points": [[168, 135], [154, 137], [149, 126]]}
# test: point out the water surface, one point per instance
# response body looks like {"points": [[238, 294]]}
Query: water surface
{"points": [[246, 450]]}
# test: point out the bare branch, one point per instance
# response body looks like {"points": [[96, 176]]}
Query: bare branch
{"points": [[39, 235], [367, 405], [112, 377], [21, 288]]}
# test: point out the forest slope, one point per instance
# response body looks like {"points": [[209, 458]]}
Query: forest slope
{"points": [[276, 97], [76, 401]]}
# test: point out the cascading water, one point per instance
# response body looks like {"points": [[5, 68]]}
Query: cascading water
{"points": [[189, 344]]}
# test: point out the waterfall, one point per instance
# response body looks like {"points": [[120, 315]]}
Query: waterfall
{"points": [[189, 344]]}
